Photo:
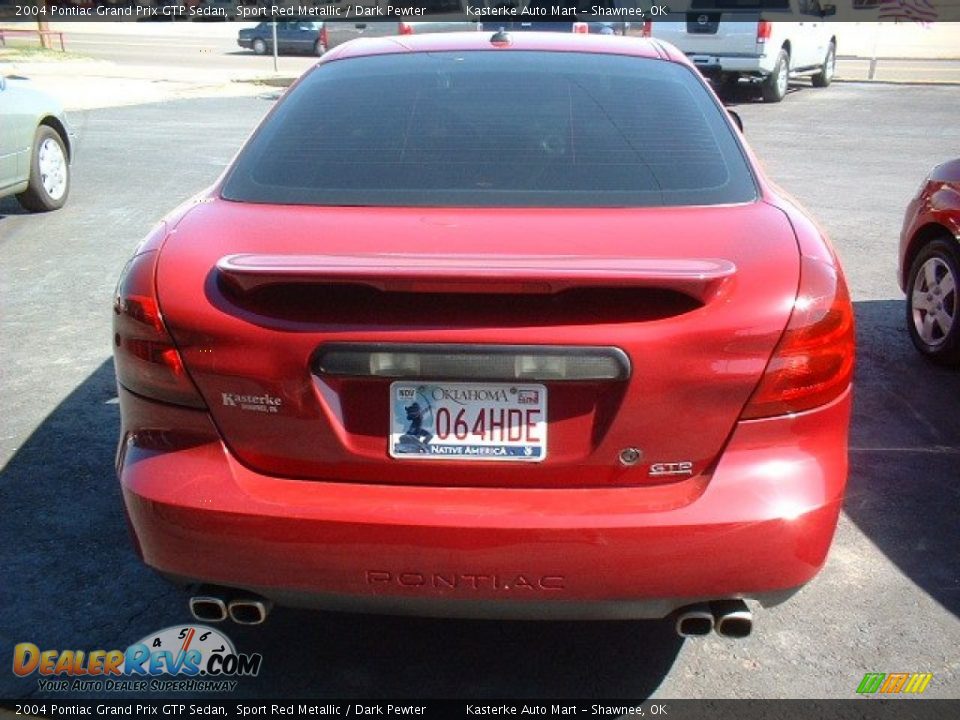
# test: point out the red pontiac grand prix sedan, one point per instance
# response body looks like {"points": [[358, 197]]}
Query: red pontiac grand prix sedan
{"points": [[488, 326]]}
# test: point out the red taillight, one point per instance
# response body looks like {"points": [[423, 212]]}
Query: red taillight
{"points": [[147, 361], [813, 362], [405, 29], [581, 27], [647, 29], [764, 28], [324, 37]]}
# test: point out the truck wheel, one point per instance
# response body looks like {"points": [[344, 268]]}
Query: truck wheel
{"points": [[774, 87], [825, 76]]}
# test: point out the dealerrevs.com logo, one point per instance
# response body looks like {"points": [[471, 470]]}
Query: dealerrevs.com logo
{"points": [[189, 658]]}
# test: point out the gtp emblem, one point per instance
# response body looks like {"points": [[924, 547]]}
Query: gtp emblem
{"points": [[673, 468]]}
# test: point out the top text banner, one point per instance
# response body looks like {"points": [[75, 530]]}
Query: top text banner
{"points": [[511, 14]]}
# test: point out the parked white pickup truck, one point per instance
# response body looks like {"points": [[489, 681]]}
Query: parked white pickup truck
{"points": [[731, 39]]}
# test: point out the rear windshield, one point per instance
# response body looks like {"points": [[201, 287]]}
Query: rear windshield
{"points": [[495, 128]]}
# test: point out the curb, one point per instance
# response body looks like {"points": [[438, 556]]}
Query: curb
{"points": [[931, 83], [271, 81], [288, 81], [899, 58]]}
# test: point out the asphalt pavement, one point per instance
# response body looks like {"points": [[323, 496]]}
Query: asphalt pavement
{"points": [[219, 50], [211, 51], [887, 601], [211, 48], [126, 63]]}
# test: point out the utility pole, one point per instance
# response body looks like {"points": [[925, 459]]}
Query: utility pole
{"points": [[273, 27]]}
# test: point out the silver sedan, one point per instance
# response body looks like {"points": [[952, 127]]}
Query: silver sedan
{"points": [[35, 147]]}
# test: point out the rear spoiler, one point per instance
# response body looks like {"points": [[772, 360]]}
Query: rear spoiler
{"points": [[528, 274]]}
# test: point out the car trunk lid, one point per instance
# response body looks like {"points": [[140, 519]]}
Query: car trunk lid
{"points": [[695, 299]]}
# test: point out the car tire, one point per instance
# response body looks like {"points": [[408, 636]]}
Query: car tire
{"points": [[318, 48], [823, 78], [933, 308], [259, 46], [49, 182], [775, 85]]}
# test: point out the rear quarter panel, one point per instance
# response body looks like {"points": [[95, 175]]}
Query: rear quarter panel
{"points": [[931, 212]]}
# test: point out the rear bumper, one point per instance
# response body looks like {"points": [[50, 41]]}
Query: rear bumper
{"points": [[758, 527], [742, 63]]}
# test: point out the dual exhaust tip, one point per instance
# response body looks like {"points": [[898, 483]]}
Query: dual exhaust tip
{"points": [[729, 618], [242, 610]]}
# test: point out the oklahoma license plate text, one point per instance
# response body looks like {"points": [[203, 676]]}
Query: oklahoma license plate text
{"points": [[468, 421]]}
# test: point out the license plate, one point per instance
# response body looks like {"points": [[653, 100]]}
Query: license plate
{"points": [[468, 421]]}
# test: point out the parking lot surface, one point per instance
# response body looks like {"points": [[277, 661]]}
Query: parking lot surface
{"points": [[888, 600]]}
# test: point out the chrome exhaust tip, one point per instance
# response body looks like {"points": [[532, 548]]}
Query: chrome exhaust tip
{"points": [[249, 611], [732, 618], [207, 608], [694, 621]]}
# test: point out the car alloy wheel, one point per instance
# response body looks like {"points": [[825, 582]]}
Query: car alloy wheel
{"points": [[933, 302]]}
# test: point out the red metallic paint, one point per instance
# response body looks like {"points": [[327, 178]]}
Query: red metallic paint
{"points": [[484, 274], [704, 363], [934, 211], [307, 501], [471, 41], [762, 521]]}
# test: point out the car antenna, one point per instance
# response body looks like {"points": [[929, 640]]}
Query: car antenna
{"points": [[500, 37]]}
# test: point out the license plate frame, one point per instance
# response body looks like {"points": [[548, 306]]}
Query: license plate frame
{"points": [[447, 409]]}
